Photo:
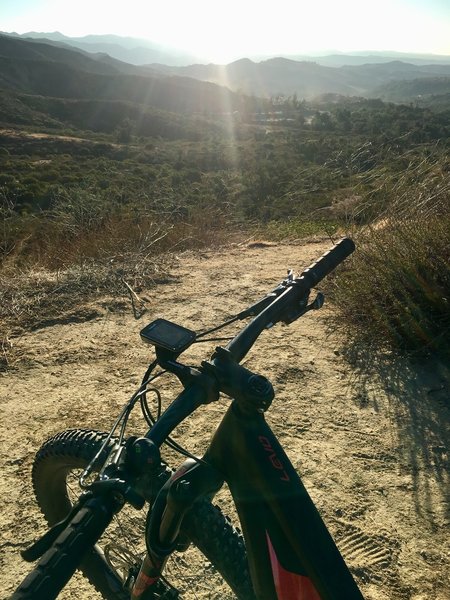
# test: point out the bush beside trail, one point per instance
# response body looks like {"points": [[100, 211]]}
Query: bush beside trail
{"points": [[396, 288]]}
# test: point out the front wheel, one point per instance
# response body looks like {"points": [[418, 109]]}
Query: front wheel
{"points": [[119, 552]]}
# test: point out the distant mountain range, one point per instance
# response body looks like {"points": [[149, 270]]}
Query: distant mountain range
{"points": [[306, 79], [134, 51], [55, 68], [142, 52], [365, 58]]}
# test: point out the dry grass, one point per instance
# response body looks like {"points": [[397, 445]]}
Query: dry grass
{"points": [[52, 264], [396, 289]]}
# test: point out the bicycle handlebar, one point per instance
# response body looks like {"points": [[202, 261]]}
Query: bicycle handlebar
{"points": [[328, 262], [292, 295]]}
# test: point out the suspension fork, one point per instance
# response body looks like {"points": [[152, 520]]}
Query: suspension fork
{"points": [[192, 481]]}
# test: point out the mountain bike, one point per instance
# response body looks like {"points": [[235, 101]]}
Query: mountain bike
{"points": [[284, 551]]}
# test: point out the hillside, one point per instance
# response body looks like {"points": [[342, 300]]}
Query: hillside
{"points": [[306, 79], [43, 69], [99, 116], [135, 51], [54, 68], [429, 91], [44, 51], [271, 77]]}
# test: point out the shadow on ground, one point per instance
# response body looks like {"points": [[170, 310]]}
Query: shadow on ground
{"points": [[418, 402]]}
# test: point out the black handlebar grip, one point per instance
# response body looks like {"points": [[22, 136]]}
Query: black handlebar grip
{"points": [[328, 262], [59, 563]]}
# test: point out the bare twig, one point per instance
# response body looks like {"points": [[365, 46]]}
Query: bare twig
{"points": [[137, 312]]}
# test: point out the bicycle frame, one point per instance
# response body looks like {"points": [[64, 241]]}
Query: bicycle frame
{"points": [[291, 554], [290, 551]]}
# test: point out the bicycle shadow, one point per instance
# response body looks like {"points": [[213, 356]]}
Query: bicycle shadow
{"points": [[417, 398]]}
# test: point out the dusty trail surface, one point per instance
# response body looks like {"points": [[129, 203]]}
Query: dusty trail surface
{"points": [[367, 437]]}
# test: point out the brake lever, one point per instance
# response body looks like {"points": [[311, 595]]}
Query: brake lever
{"points": [[317, 303], [303, 308]]}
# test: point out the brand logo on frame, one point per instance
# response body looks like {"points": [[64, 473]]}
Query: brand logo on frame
{"points": [[272, 456]]}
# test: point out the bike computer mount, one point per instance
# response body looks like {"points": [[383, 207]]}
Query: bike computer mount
{"points": [[168, 336]]}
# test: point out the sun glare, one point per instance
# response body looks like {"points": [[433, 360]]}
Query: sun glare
{"points": [[223, 31]]}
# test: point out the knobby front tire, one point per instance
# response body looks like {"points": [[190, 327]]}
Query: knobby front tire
{"points": [[55, 473]]}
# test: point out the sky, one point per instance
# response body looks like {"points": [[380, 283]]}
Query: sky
{"points": [[228, 29]]}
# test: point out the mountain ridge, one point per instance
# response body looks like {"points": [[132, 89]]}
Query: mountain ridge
{"points": [[282, 76], [140, 51], [135, 51], [51, 68], [42, 69]]}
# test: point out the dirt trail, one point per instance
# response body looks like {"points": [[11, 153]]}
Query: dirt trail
{"points": [[368, 439], [26, 135]]}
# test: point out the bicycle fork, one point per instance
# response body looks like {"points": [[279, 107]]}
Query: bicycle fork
{"points": [[193, 480]]}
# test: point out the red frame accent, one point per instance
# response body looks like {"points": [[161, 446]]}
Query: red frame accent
{"points": [[288, 585]]}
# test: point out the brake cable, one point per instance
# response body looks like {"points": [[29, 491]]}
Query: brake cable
{"points": [[224, 324]]}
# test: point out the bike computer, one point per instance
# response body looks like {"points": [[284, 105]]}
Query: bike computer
{"points": [[168, 335]]}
